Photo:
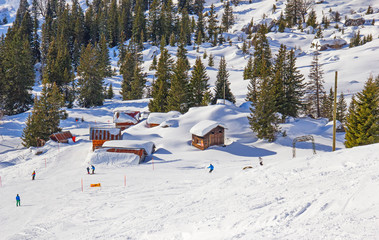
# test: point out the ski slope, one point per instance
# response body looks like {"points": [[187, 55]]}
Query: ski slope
{"points": [[330, 195]]}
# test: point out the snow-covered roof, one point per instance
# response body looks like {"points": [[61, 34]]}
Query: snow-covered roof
{"points": [[131, 144], [203, 127], [158, 118], [101, 156], [124, 117]]}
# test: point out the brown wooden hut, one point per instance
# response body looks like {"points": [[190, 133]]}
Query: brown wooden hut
{"points": [[61, 137], [125, 119], [99, 135], [207, 133]]}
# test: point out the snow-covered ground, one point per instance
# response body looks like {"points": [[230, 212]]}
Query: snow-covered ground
{"points": [[330, 195]]}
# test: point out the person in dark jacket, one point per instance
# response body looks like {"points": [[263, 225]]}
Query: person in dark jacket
{"points": [[33, 175], [210, 168], [93, 169], [88, 170], [260, 161], [18, 201]]}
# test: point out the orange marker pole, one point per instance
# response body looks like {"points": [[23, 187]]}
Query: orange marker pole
{"points": [[124, 181]]}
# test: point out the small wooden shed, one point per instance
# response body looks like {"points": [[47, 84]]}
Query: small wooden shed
{"points": [[99, 135], [140, 148], [61, 137], [125, 119], [207, 133]]}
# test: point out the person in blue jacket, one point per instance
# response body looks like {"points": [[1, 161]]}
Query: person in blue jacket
{"points": [[93, 169], [210, 168], [18, 201]]}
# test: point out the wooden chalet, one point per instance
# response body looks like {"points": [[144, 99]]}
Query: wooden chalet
{"points": [[61, 137], [99, 135], [125, 119], [207, 133], [156, 118], [140, 148]]}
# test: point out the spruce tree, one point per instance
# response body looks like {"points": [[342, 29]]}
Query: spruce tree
{"points": [[211, 60], [110, 93], [198, 83], [125, 20], [162, 84], [263, 119], [178, 95], [104, 57], [153, 23], [138, 82], [212, 23], [222, 89], [139, 23], [261, 64], [112, 24], [18, 73], [315, 87], [363, 118], [341, 109], [327, 104], [90, 80], [227, 19]]}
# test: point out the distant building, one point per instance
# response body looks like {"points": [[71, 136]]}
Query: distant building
{"points": [[140, 148], [207, 133], [125, 119], [99, 135], [61, 137], [156, 118]]}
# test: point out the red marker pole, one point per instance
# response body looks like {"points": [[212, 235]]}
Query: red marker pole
{"points": [[82, 184], [124, 181]]}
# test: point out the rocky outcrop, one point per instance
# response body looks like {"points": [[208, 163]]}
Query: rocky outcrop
{"points": [[354, 22]]}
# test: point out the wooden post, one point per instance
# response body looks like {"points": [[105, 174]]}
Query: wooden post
{"points": [[334, 113]]}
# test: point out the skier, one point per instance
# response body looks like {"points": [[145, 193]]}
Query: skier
{"points": [[260, 161], [18, 203], [33, 175], [93, 169], [88, 170], [210, 168]]}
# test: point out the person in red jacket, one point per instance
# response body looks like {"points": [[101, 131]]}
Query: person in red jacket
{"points": [[33, 175]]}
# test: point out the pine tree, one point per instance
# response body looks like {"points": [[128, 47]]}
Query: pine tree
{"points": [[363, 118], [281, 23], [222, 89], [327, 103], [45, 117], [341, 109], [227, 18], [139, 23], [154, 63], [185, 28], [153, 24], [210, 60], [312, 19], [162, 84], [90, 78], [110, 93], [263, 119], [261, 64], [125, 20], [212, 24], [198, 83], [18, 73], [105, 64], [35, 45], [178, 94], [112, 24], [315, 87], [138, 83]]}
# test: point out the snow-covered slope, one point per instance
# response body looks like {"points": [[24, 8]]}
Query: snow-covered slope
{"points": [[330, 195]]}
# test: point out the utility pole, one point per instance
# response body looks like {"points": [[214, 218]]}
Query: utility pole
{"points": [[334, 113]]}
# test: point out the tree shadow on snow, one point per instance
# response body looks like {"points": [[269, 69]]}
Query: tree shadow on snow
{"points": [[242, 150]]}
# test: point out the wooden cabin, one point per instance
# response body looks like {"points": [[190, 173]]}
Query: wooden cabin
{"points": [[99, 135], [61, 137], [207, 133], [140, 148], [156, 118], [125, 119]]}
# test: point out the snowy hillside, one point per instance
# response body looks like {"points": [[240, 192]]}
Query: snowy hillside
{"points": [[330, 195], [172, 196]]}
